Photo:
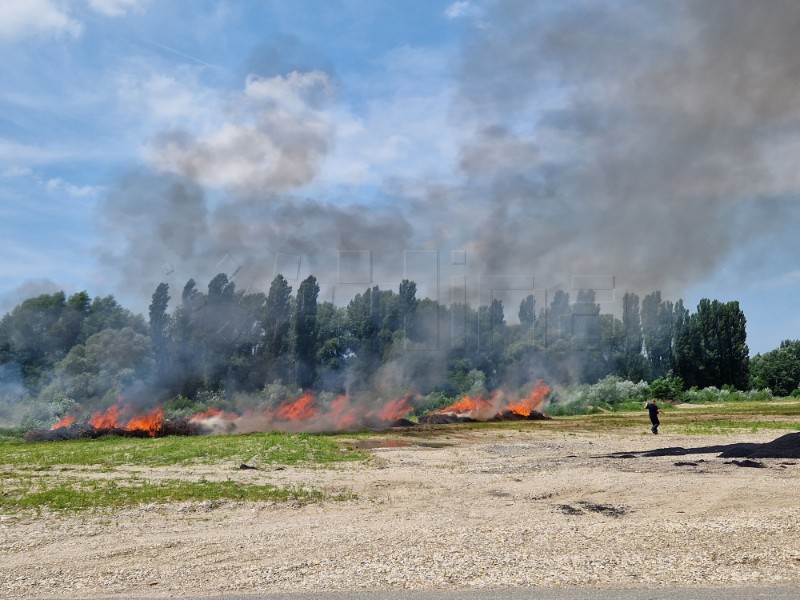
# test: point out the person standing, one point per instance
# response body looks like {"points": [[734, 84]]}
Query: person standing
{"points": [[653, 409]]}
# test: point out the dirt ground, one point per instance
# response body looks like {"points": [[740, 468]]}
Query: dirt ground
{"points": [[490, 508]]}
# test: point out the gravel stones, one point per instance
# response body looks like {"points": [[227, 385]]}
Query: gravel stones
{"points": [[484, 511]]}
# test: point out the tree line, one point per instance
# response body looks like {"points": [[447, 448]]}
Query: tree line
{"points": [[56, 348]]}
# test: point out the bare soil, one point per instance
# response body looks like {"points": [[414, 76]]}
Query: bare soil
{"points": [[461, 508]]}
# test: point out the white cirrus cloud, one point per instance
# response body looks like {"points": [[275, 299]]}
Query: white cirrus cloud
{"points": [[456, 10], [60, 186], [15, 171], [464, 9], [31, 18], [16, 152], [116, 8]]}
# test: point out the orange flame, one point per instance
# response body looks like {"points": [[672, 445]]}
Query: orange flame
{"points": [[214, 412], [343, 415], [533, 402], [108, 419], [396, 409], [298, 410], [468, 405], [152, 422], [65, 422]]}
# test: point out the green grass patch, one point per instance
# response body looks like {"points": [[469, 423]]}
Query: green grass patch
{"points": [[775, 407], [11, 434], [274, 448], [701, 419], [718, 426], [22, 493], [34, 477]]}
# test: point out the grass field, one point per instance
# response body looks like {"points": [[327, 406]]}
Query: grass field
{"points": [[699, 419], [63, 475], [115, 472]]}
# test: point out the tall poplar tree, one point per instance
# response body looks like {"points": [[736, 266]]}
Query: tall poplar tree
{"points": [[159, 330], [305, 331]]}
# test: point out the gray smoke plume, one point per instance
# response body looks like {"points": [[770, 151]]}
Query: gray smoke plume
{"points": [[641, 141], [660, 128]]}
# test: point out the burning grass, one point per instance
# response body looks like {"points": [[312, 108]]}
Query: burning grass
{"points": [[307, 413]]}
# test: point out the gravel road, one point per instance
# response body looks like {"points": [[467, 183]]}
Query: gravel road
{"points": [[522, 509]]}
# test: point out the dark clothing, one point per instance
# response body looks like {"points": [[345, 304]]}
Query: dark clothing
{"points": [[652, 408]]}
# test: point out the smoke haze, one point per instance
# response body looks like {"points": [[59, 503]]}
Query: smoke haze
{"points": [[635, 141]]}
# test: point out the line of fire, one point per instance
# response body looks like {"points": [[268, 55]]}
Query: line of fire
{"points": [[308, 413]]}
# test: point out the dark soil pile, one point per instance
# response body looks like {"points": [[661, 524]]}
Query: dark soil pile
{"points": [[444, 419], [506, 415], [786, 446], [84, 430]]}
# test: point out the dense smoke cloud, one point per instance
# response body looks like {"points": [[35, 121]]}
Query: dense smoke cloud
{"points": [[659, 127], [635, 141], [272, 142]]}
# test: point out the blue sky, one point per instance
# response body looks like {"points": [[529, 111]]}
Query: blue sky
{"points": [[144, 140]]}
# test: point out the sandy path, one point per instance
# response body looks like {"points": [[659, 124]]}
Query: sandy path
{"points": [[487, 509]]}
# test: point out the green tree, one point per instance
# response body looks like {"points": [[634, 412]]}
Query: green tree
{"points": [[330, 356], [632, 364], [710, 346], [106, 313], [657, 332], [492, 341], [527, 311], [98, 372], [38, 333], [159, 330], [408, 308], [185, 336], [277, 318], [559, 318], [306, 332], [587, 338], [778, 370]]}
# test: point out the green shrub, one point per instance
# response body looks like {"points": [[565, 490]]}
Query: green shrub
{"points": [[611, 391], [712, 394], [431, 402], [667, 388], [704, 396]]}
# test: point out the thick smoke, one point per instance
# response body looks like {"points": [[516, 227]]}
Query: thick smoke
{"points": [[224, 201], [660, 129], [634, 141]]}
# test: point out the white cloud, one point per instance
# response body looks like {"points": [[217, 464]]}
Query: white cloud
{"points": [[30, 18], [58, 185], [462, 9], [167, 101], [12, 151], [465, 9], [15, 171], [116, 8]]}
